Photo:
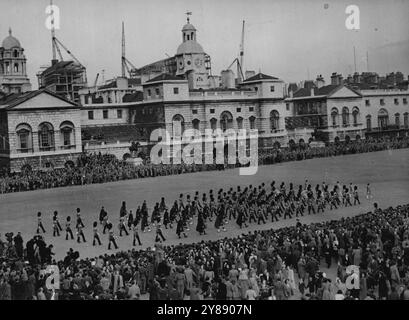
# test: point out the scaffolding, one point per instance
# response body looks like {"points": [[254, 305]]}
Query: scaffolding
{"points": [[65, 78]]}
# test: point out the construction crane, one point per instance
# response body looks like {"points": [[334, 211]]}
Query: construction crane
{"points": [[242, 50], [96, 81], [239, 61], [126, 64]]}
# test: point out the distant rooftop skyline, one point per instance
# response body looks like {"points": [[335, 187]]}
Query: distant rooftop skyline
{"points": [[293, 40]]}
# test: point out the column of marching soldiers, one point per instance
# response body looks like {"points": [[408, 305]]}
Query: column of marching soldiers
{"points": [[245, 206]]}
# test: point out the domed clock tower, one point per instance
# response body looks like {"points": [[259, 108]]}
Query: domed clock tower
{"points": [[13, 72], [191, 59]]}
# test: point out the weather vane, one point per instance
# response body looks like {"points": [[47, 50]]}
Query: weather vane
{"points": [[189, 13]]}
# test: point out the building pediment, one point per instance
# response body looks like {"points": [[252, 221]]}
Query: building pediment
{"points": [[344, 92], [41, 99]]}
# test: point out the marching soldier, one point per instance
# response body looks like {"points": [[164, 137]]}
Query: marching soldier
{"points": [[135, 234], [39, 223], [96, 235], [68, 230]]}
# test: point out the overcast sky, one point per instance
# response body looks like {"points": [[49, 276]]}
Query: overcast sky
{"points": [[285, 38]]}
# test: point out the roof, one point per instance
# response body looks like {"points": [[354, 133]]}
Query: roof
{"points": [[133, 97], [14, 99], [189, 46], [59, 66], [113, 83], [323, 91], [10, 42], [259, 77], [188, 27], [165, 77]]}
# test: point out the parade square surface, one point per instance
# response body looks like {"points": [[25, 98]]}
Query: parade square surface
{"points": [[386, 171]]}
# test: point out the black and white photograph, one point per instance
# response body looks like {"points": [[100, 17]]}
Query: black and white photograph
{"points": [[218, 151]]}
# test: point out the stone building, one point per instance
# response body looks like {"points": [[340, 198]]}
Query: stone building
{"points": [[39, 129]]}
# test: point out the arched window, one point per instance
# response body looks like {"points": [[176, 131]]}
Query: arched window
{"points": [[397, 119], [226, 120], [15, 54], [334, 116], [355, 115], [67, 134], [368, 122], [213, 124], [383, 119], [274, 120], [345, 116], [240, 123], [24, 138], [46, 136], [252, 123], [195, 124], [178, 125], [405, 120], [16, 68]]}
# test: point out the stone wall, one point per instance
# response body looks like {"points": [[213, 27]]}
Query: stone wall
{"points": [[37, 162]]}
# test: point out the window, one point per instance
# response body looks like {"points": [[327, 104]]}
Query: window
{"points": [[383, 119], [105, 114], [396, 101], [368, 123], [16, 67], [46, 137], [397, 119], [149, 92], [67, 133], [194, 111], [24, 138], [240, 123], [334, 116], [287, 106], [345, 116], [211, 110], [175, 90], [251, 109], [272, 89], [91, 115], [274, 120], [405, 101], [238, 110], [178, 125], [367, 103], [226, 120], [355, 115], [196, 123], [157, 92], [256, 89], [405, 120], [213, 124], [382, 101], [143, 111], [252, 123], [119, 114]]}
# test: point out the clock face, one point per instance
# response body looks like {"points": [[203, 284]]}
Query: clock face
{"points": [[198, 62]]}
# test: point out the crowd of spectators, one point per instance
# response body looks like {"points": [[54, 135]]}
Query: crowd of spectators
{"points": [[279, 264], [97, 168]]}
